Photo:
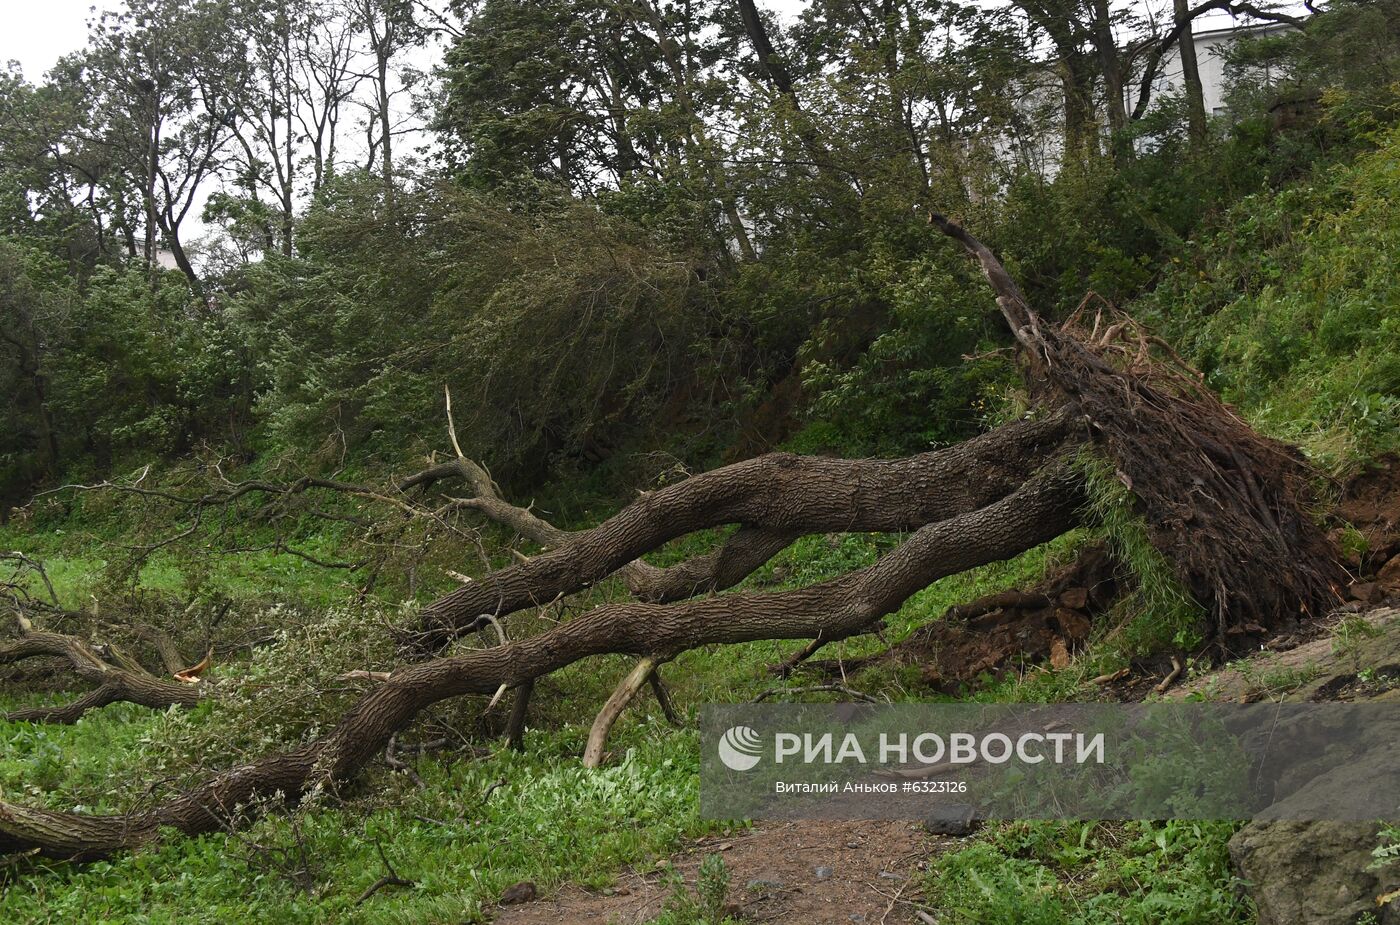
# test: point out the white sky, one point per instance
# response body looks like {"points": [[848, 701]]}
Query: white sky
{"points": [[36, 33]]}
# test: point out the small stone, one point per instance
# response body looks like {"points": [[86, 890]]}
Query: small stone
{"points": [[1368, 592], [891, 875], [823, 873], [953, 819], [856, 917], [852, 844], [522, 892], [1059, 654], [760, 885]]}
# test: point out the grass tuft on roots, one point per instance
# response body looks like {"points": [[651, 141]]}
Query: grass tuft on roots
{"points": [[1158, 612]]}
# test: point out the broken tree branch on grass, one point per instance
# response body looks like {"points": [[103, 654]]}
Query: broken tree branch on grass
{"points": [[1041, 509], [774, 498], [117, 677]]}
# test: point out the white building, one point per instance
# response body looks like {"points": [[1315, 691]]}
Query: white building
{"points": [[1210, 61]]}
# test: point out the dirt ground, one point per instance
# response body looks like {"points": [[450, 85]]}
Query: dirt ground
{"points": [[804, 873]]}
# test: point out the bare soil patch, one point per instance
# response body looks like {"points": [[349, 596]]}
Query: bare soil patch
{"points": [[808, 872]]}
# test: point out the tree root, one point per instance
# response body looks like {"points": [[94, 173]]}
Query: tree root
{"points": [[1227, 507]]}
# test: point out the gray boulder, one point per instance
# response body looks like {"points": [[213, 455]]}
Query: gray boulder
{"points": [[1314, 873]]}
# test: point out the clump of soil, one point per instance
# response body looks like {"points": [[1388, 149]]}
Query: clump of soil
{"points": [[1371, 503], [1006, 631]]}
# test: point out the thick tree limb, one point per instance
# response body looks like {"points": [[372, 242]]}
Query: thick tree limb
{"points": [[607, 717], [663, 697], [170, 656], [1038, 511], [519, 713], [721, 568], [775, 497], [126, 682]]}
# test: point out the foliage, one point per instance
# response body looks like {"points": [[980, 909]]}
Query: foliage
{"points": [[1291, 308], [559, 331], [706, 906], [1158, 612], [1389, 848]]}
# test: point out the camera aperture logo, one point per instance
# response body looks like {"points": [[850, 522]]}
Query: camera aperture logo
{"points": [[740, 748]]}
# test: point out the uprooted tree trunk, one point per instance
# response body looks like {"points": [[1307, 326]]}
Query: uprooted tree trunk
{"points": [[1227, 507], [774, 498], [1038, 511]]}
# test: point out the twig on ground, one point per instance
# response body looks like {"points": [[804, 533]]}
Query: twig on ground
{"points": [[1170, 679], [390, 878]]}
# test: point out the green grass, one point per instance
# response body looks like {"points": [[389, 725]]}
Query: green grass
{"points": [[81, 565], [551, 822], [1087, 873]]}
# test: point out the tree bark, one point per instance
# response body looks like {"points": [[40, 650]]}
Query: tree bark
{"points": [[115, 683], [1043, 508], [1196, 124], [775, 497]]}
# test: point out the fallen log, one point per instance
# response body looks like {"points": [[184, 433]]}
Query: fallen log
{"points": [[1041, 509]]}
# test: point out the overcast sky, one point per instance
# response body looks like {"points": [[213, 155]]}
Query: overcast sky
{"points": [[36, 33]]}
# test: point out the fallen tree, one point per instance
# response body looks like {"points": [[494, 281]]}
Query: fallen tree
{"points": [[1040, 510], [117, 677], [1226, 507]]}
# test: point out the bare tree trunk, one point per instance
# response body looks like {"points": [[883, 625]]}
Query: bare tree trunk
{"points": [[1111, 67], [1191, 76]]}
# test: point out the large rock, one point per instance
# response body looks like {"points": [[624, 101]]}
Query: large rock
{"points": [[1314, 873], [1319, 873]]}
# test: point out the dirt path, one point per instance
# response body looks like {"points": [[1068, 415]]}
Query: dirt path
{"points": [[804, 873]]}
